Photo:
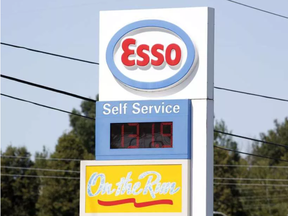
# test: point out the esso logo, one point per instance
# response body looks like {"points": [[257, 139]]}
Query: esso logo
{"points": [[155, 51], [150, 55]]}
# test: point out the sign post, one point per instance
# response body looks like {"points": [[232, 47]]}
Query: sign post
{"points": [[154, 120]]}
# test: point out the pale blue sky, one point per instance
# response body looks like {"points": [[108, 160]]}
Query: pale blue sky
{"points": [[250, 55]]}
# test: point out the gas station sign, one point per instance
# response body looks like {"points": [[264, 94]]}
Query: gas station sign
{"points": [[154, 118]]}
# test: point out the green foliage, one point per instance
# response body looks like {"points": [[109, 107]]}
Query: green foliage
{"points": [[60, 196], [84, 128], [278, 135], [260, 195], [226, 197], [270, 200], [18, 194]]}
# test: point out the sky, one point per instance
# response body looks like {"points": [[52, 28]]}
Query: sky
{"points": [[250, 55]]}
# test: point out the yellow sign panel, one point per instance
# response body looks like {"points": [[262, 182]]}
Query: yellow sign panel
{"points": [[133, 188]]}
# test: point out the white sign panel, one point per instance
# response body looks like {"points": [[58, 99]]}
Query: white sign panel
{"points": [[164, 54], [161, 53]]}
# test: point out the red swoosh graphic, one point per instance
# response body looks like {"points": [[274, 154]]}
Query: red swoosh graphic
{"points": [[137, 205]]}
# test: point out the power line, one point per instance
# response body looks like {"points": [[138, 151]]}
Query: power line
{"points": [[38, 158], [250, 154], [251, 94], [35, 176], [72, 58], [230, 134], [49, 53], [260, 190], [89, 99], [250, 166], [45, 106], [40, 169], [66, 159], [266, 185], [265, 199], [255, 8], [252, 139], [250, 179], [73, 171], [57, 109], [253, 197], [214, 131], [47, 88], [264, 206]]}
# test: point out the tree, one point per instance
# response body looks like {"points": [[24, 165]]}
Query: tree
{"points": [[278, 135], [226, 197], [271, 199], [84, 128], [19, 192], [60, 196], [60, 193]]}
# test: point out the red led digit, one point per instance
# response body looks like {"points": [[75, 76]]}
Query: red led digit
{"points": [[167, 134], [127, 52], [153, 135], [141, 135], [122, 135], [135, 135]]}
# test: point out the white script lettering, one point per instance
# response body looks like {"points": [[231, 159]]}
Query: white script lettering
{"points": [[153, 185]]}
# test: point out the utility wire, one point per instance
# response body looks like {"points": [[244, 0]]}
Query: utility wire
{"points": [[250, 179], [48, 53], [250, 154], [64, 111], [49, 107], [73, 171], [66, 159], [255, 8], [40, 169], [265, 185], [39, 158], [36, 176], [250, 166], [260, 190], [47, 88], [251, 94], [265, 199], [252, 139], [83, 98], [214, 131], [253, 197], [63, 177], [230, 134], [264, 206]]}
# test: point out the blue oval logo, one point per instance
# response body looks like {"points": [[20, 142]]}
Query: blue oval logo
{"points": [[158, 84]]}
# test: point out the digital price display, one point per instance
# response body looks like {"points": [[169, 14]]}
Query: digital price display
{"points": [[141, 135], [151, 129]]}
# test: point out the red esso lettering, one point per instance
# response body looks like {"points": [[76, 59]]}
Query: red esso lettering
{"points": [[154, 51]]}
